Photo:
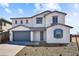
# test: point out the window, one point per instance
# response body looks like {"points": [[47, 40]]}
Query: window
{"points": [[58, 33], [21, 22], [39, 20], [15, 22], [55, 19], [26, 21]]}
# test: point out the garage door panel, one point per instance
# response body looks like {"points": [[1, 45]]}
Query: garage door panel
{"points": [[21, 35]]}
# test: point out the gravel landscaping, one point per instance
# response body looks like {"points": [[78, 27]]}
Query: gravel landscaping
{"points": [[66, 50]]}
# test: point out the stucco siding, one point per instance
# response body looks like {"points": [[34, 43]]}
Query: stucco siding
{"points": [[10, 36], [24, 22], [61, 18], [44, 35], [36, 36], [20, 28], [50, 35], [38, 25]]}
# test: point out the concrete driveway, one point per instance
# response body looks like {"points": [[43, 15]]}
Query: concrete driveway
{"points": [[9, 49]]}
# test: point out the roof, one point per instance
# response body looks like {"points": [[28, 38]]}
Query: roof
{"points": [[32, 16], [3, 20], [58, 12], [21, 18], [59, 24], [40, 28], [42, 13], [49, 12], [18, 26]]}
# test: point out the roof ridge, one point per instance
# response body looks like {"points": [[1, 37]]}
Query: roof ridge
{"points": [[33, 15], [39, 14]]}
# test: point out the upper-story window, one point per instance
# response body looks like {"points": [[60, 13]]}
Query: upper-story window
{"points": [[26, 21], [39, 20], [16, 22], [21, 22], [55, 19]]}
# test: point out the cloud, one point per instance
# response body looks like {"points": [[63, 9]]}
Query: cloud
{"points": [[20, 10], [4, 5], [39, 7], [75, 14], [7, 10], [72, 19], [76, 5]]}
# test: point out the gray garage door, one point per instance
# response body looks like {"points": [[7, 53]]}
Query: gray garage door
{"points": [[21, 35]]}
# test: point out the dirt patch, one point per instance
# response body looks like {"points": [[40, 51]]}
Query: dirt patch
{"points": [[65, 50]]}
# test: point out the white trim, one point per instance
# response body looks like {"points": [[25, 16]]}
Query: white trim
{"points": [[31, 35], [11, 36]]}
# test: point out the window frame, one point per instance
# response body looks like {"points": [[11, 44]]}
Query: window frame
{"points": [[15, 21], [39, 20], [26, 21], [54, 19], [58, 35]]}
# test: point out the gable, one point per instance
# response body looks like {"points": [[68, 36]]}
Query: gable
{"points": [[55, 14], [59, 26], [20, 28]]}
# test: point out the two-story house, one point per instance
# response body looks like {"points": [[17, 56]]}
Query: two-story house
{"points": [[4, 25], [48, 26]]}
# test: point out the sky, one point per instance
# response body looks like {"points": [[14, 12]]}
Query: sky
{"points": [[10, 10]]}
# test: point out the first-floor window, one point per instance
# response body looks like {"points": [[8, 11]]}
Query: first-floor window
{"points": [[58, 33]]}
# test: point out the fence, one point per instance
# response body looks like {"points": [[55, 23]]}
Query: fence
{"points": [[4, 37], [73, 38]]}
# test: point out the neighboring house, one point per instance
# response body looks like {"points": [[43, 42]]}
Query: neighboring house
{"points": [[48, 26], [4, 25]]}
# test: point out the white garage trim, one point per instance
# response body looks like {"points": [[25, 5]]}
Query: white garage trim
{"points": [[31, 35]]}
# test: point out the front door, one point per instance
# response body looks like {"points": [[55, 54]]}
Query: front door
{"points": [[41, 35]]}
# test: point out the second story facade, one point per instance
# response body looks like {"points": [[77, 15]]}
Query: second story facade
{"points": [[43, 19], [4, 25]]}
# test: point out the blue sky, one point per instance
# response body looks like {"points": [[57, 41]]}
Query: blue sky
{"points": [[9, 10]]}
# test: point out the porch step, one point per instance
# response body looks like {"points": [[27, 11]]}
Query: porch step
{"points": [[42, 43]]}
